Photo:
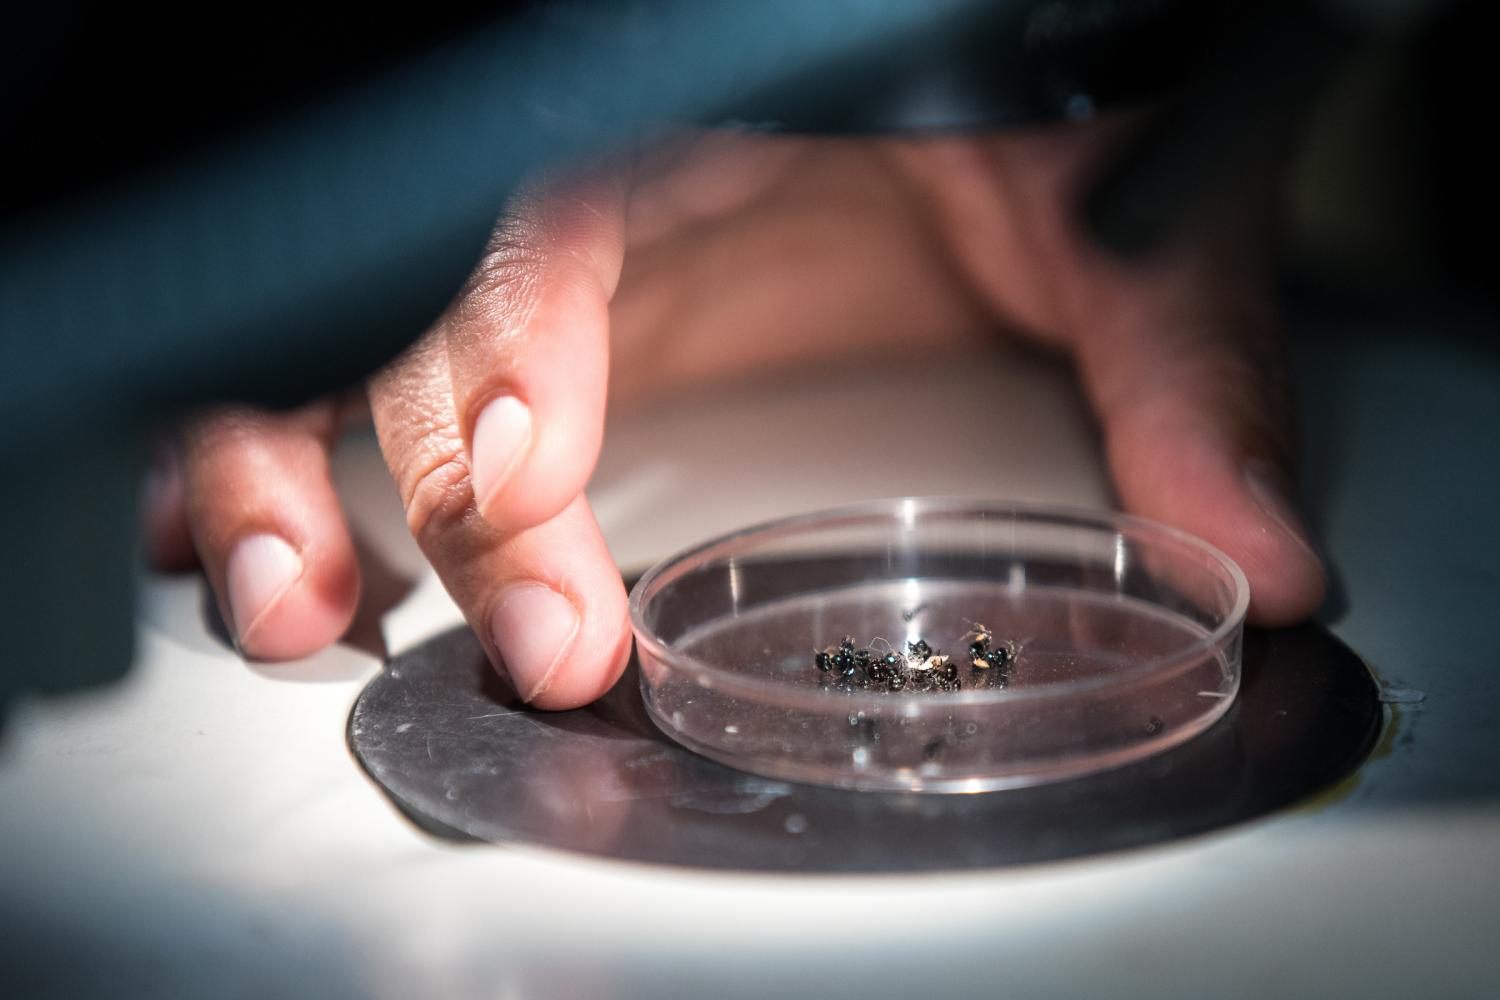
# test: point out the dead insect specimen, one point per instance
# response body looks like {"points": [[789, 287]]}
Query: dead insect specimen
{"points": [[984, 654], [840, 658], [883, 669], [979, 634], [918, 668]]}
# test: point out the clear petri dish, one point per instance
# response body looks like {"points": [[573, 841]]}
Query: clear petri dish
{"points": [[1121, 638]]}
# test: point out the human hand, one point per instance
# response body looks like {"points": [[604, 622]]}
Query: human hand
{"points": [[743, 253]]}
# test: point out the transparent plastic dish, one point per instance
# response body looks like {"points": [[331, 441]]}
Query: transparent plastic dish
{"points": [[1123, 639]]}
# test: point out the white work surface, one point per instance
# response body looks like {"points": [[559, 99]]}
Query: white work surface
{"points": [[201, 829]]}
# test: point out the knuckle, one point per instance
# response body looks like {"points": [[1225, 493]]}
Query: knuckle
{"points": [[543, 241], [508, 275], [439, 498]]}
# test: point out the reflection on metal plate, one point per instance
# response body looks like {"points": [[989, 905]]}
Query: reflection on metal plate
{"points": [[450, 742]]}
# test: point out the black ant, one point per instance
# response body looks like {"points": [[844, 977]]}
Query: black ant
{"points": [[919, 667], [983, 653]]}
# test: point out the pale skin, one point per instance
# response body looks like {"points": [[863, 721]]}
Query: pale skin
{"points": [[710, 256]]}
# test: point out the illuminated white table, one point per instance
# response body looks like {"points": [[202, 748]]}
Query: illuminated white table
{"points": [[201, 828]]}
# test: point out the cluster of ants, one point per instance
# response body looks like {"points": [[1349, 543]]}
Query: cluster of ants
{"points": [[920, 668]]}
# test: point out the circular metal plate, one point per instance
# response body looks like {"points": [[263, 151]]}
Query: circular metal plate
{"points": [[451, 743]]}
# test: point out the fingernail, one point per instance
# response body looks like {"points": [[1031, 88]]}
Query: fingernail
{"points": [[1267, 486], [500, 437], [532, 626], [261, 569]]}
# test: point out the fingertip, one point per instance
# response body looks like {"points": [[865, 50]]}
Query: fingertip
{"points": [[557, 626], [1288, 580], [550, 473], [268, 527], [1283, 597], [1194, 480], [561, 650], [284, 604], [590, 670]]}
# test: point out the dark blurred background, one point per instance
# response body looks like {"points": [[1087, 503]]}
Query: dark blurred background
{"points": [[185, 207], [1393, 189], [1392, 186]]}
